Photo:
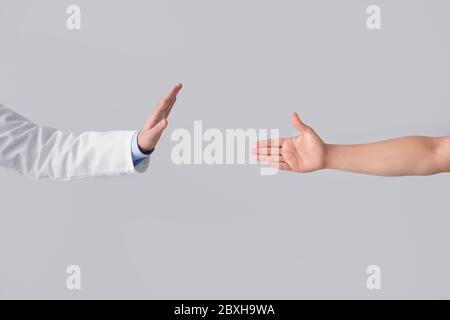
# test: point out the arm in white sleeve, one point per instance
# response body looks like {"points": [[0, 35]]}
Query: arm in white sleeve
{"points": [[42, 152]]}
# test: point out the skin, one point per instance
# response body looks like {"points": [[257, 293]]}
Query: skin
{"points": [[307, 152], [153, 128]]}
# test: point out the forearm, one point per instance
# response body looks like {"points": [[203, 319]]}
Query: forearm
{"points": [[48, 153], [413, 155], [42, 152]]}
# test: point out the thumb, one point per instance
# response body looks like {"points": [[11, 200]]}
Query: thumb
{"points": [[157, 129], [148, 138], [160, 126], [297, 123]]}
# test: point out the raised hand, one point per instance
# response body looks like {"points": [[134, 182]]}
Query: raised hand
{"points": [[157, 121], [303, 153]]}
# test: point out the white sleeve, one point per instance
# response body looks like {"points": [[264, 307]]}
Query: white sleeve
{"points": [[42, 152]]}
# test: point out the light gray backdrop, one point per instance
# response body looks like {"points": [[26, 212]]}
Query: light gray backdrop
{"points": [[225, 231]]}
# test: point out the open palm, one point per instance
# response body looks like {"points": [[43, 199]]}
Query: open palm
{"points": [[303, 153], [157, 121]]}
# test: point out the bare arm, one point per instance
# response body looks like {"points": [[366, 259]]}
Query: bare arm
{"points": [[307, 152], [397, 157]]}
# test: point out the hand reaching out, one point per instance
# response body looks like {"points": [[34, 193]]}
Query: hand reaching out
{"points": [[303, 153], [157, 121]]}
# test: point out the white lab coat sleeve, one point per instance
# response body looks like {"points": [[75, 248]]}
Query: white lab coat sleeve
{"points": [[42, 152]]}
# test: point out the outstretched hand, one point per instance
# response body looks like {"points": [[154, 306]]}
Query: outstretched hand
{"points": [[157, 121], [303, 153]]}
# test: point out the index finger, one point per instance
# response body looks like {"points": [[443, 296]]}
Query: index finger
{"points": [[163, 108]]}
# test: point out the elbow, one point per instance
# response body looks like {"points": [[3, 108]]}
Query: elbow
{"points": [[441, 154]]}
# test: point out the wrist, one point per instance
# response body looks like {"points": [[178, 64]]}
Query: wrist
{"points": [[145, 150], [328, 156]]}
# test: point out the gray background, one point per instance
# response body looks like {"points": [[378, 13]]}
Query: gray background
{"points": [[225, 231]]}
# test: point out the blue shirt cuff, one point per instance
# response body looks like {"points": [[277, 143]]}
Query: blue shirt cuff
{"points": [[136, 153]]}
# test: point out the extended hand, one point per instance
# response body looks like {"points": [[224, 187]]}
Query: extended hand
{"points": [[157, 121], [303, 153]]}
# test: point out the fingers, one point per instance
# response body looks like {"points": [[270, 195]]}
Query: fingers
{"points": [[269, 151], [156, 132], [269, 158], [271, 143], [163, 108], [280, 165], [271, 155], [266, 151], [159, 128], [147, 139], [298, 124], [170, 108], [168, 101]]}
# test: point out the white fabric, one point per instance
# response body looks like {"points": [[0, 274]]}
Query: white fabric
{"points": [[42, 152]]}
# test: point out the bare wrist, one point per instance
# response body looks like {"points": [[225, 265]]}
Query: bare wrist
{"points": [[328, 156], [141, 148]]}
